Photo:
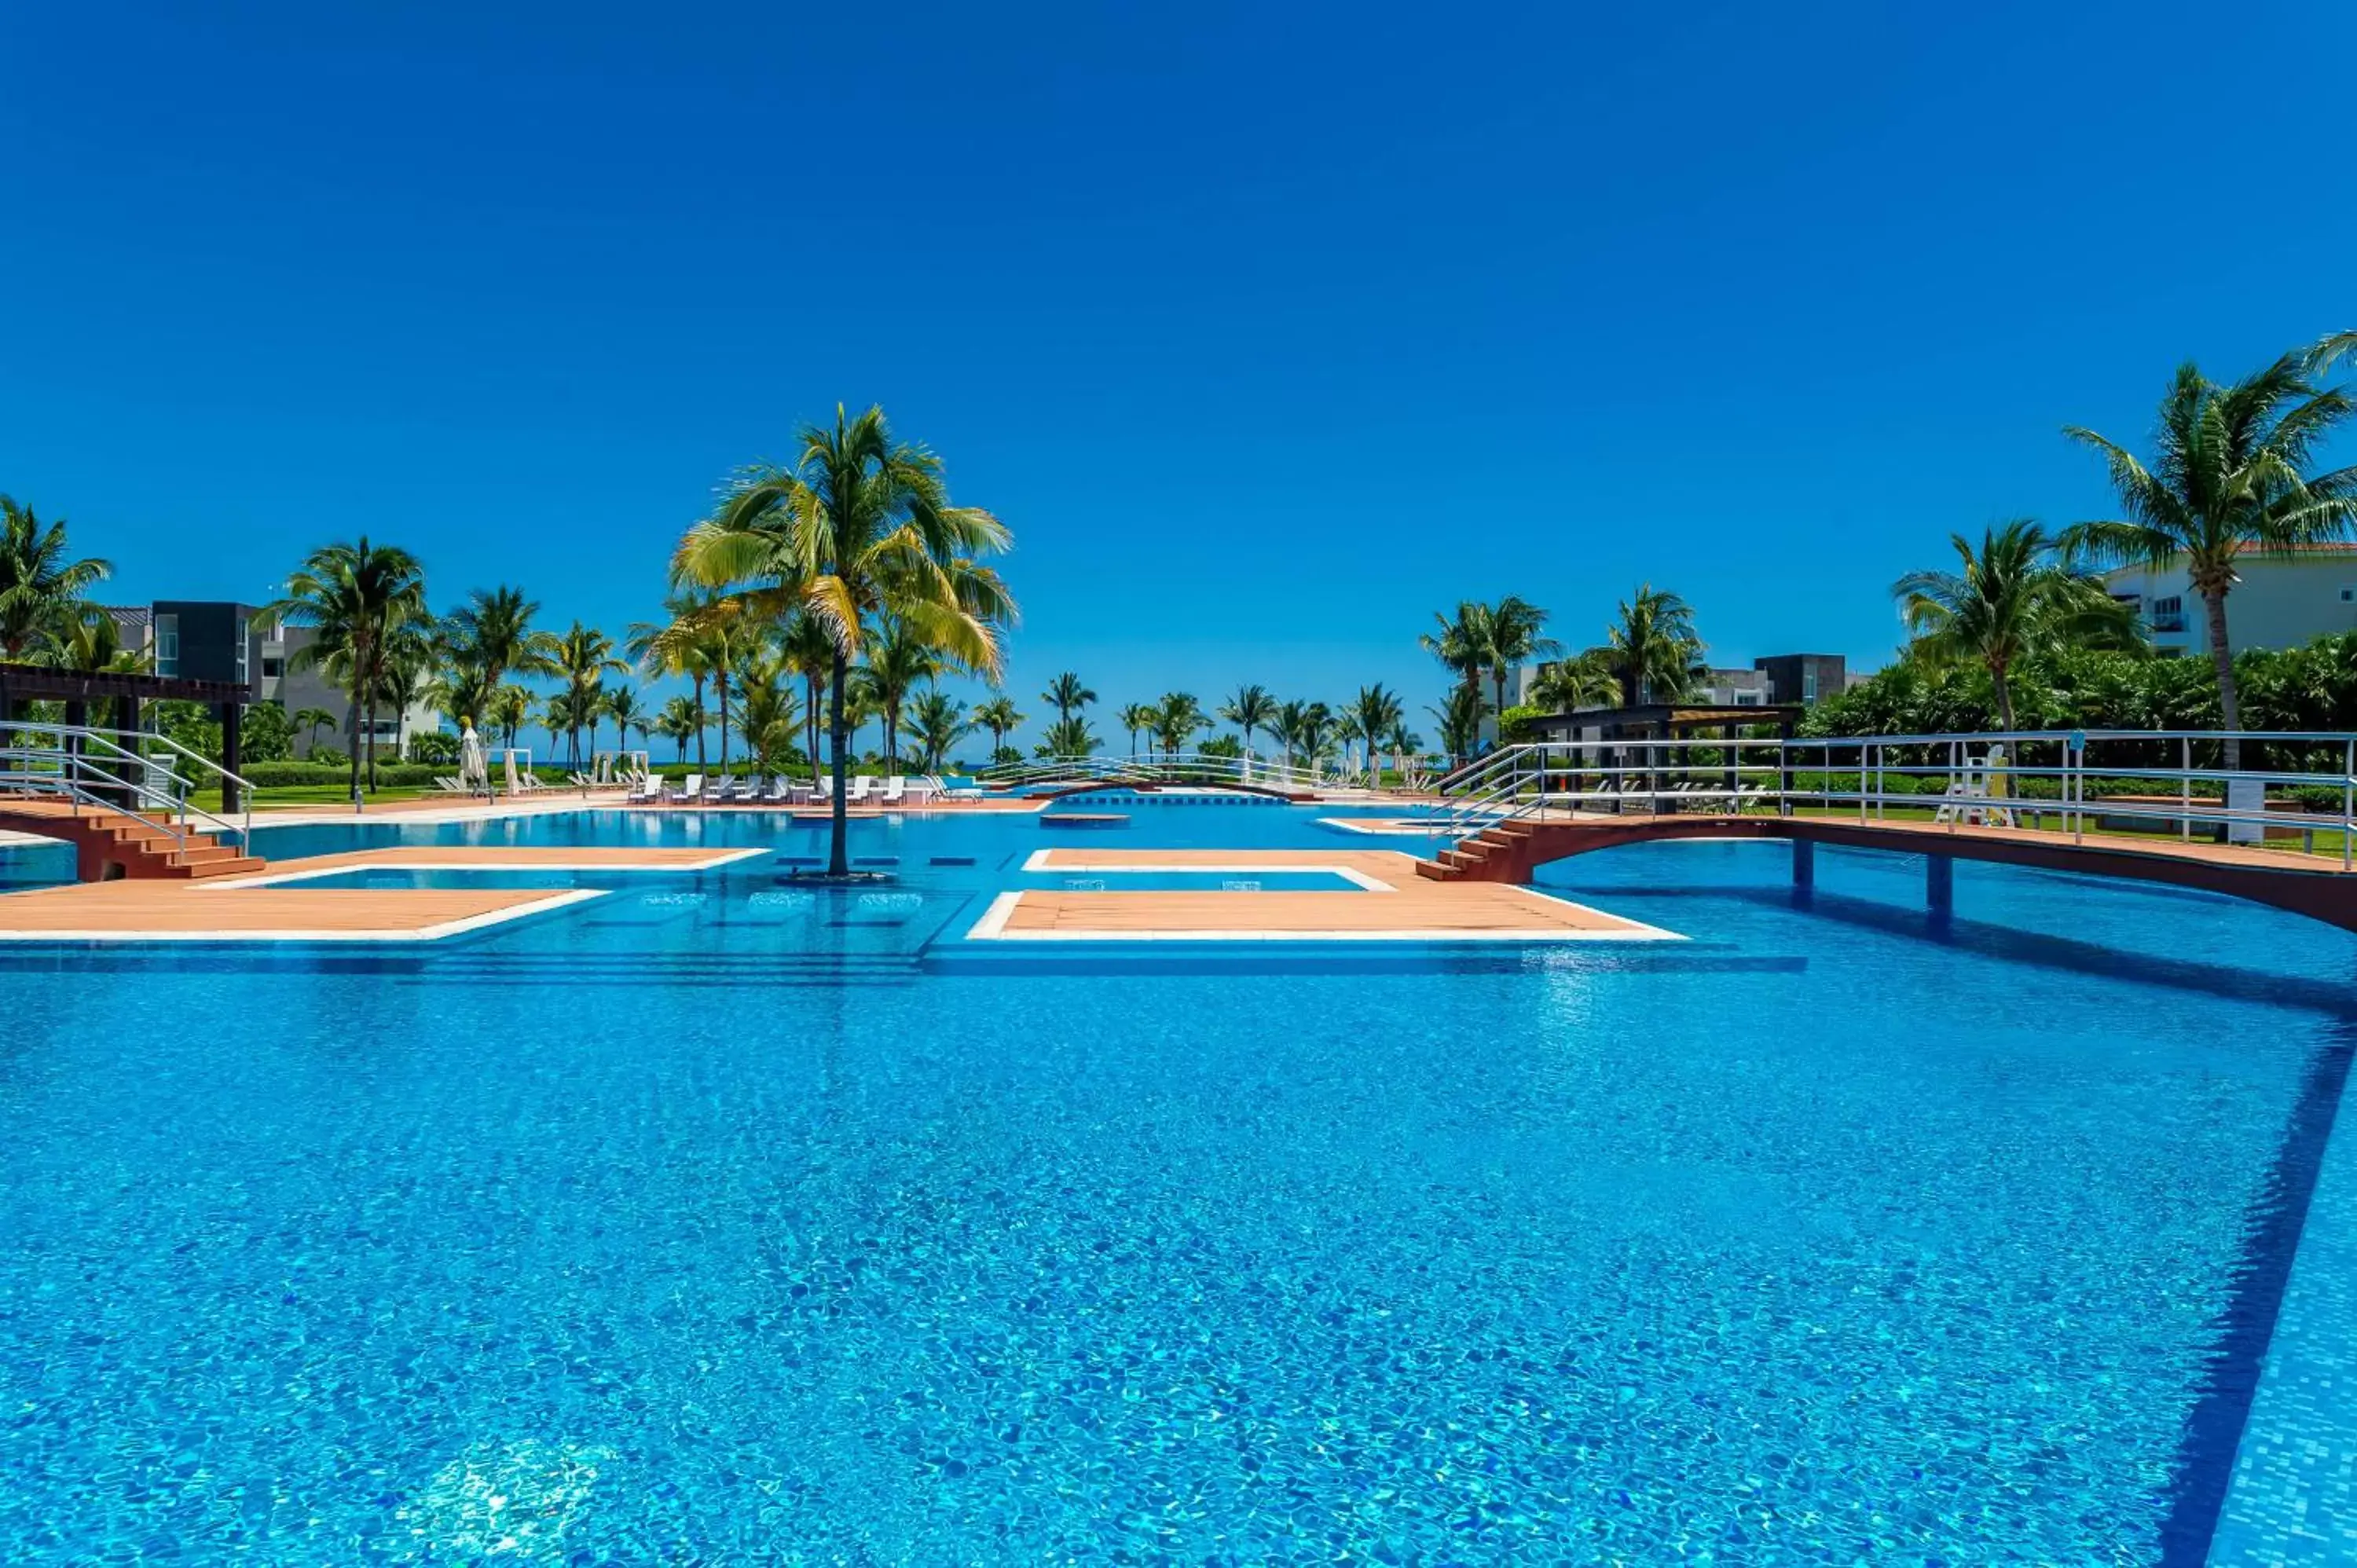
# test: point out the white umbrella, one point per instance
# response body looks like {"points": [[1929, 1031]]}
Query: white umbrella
{"points": [[473, 772]]}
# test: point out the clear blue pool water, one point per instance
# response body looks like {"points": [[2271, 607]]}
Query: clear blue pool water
{"points": [[716, 1221]]}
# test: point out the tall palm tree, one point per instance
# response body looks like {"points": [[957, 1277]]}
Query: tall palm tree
{"points": [[1287, 724], [2010, 599], [584, 656], [1249, 710], [1065, 692], [360, 599], [622, 706], [938, 721], [1373, 715], [1134, 717], [1510, 638], [1313, 731], [897, 659], [1653, 648], [997, 715], [41, 587], [860, 525], [679, 720], [1461, 644], [2228, 478], [767, 710], [491, 633]]}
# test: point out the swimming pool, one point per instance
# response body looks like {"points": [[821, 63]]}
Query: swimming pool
{"points": [[717, 1220]]}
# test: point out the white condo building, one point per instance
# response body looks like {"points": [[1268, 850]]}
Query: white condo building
{"points": [[2282, 600]]}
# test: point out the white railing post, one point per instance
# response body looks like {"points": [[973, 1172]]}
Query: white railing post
{"points": [[2348, 796], [2185, 788]]}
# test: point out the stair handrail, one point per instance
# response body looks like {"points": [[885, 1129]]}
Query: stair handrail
{"points": [[111, 739], [60, 783]]}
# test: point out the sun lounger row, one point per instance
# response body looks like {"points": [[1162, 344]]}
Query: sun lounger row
{"points": [[865, 790]]}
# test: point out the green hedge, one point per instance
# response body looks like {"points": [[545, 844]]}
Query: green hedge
{"points": [[264, 775]]}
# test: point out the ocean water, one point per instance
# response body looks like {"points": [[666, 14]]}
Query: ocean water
{"points": [[719, 1220]]}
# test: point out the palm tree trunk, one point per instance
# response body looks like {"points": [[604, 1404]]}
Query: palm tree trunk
{"points": [[353, 719], [699, 723], [2230, 704], [838, 861], [720, 685], [2004, 697]]}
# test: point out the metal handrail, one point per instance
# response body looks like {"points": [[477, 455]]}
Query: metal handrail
{"points": [[111, 741], [62, 784], [174, 802], [1517, 782]]}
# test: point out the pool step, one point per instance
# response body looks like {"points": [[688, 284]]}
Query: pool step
{"points": [[109, 846]]}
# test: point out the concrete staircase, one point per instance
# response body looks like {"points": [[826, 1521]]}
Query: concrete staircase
{"points": [[110, 846]]}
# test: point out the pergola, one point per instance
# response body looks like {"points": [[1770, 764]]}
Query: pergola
{"points": [[77, 689]]}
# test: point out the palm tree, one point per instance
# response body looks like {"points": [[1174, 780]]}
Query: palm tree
{"points": [[1072, 738], [767, 707], [1286, 726], [997, 715], [584, 656], [1653, 648], [1460, 718], [1461, 644], [358, 599], [1177, 719], [680, 719], [2227, 478], [2011, 599], [623, 708], [1510, 638], [1313, 731], [510, 707], [1065, 693], [1374, 714], [1134, 717], [939, 722], [312, 721], [676, 646], [860, 525], [1250, 709], [897, 657], [1586, 680], [491, 634], [40, 588], [809, 652]]}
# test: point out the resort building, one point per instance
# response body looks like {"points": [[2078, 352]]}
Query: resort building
{"points": [[1778, 680], [2282, 600], [218, 641]]}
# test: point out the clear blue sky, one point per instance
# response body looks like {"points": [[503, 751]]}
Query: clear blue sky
{"points": [[1269, 328]]}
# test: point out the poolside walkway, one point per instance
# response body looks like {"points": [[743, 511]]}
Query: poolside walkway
{"points": [[273, 906], [1388, 903]]}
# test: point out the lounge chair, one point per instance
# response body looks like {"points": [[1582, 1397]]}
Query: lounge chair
{"points": [[647, 787], [824, 790], [780, 792], [895, 792], [862, 788], [691, 791], [448, 786]]}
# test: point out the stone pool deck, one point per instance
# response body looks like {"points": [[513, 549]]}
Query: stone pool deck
{"points": [[1387, 902]]}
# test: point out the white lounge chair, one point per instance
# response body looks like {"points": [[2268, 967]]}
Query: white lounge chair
{"points": [[824, 790], [646, 787], [895, 792], [862, 788], [691, 791]]}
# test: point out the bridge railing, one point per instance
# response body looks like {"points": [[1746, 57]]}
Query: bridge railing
{"points": [[2282, 785], [1164, 768]]}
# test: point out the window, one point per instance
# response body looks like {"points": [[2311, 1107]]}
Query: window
{"points": [[272, 666], [168, 645], [2169, 614], [1809, 683], [244, 654]]}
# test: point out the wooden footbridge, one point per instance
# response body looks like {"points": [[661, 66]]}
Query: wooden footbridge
{"points": [[2210, 827]]}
